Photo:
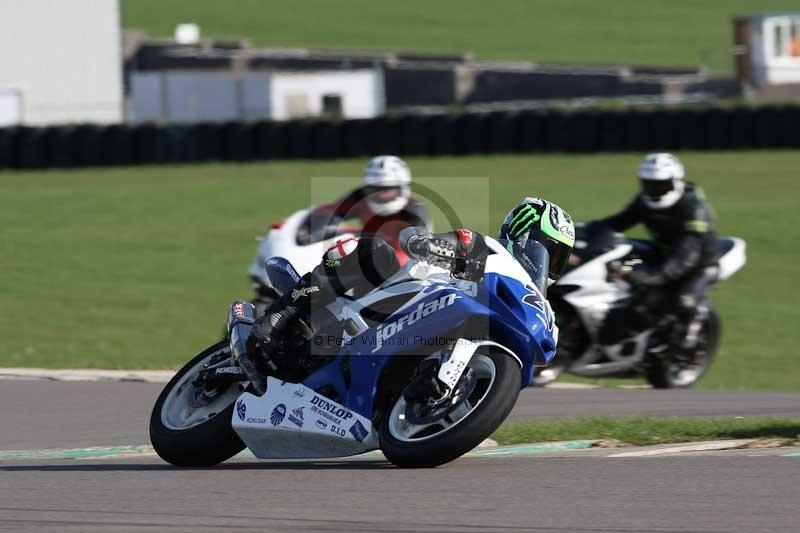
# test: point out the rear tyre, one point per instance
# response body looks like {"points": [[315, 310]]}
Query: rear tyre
{"points": [[471, 420], [682, 373], [185, 433]]}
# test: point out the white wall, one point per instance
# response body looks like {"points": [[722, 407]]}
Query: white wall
{"points": [[773, 65], [64, 58], [361, 92], [198, 96]]}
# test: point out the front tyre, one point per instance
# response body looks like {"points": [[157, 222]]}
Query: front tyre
{"points": [[413, 436], [191, 428], [683, 372]]}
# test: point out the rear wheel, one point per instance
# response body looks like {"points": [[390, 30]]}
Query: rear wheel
{"points": [[422, 434], [681, 371], [191, 426]]}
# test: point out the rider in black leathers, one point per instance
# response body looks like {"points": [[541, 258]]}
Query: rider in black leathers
{"points": [[683, 264]]}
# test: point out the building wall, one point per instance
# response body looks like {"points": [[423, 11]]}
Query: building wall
{"points": [[186, 97], [775, 49], [300, 94], [62, 58]]}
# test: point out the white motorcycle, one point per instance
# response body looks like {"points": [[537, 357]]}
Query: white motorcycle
{"points": [[589, 291], [303, 249]]}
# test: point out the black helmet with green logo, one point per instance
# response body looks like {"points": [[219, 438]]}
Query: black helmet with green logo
{"points": [[546, 223]]}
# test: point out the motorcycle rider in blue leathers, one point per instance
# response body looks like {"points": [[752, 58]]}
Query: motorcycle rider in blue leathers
{"points": [[355, 266]]}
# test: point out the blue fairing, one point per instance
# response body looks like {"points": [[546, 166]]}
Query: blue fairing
{"points": [[502, 310]]}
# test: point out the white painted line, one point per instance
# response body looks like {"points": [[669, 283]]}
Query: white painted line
{"points": [[150, 376], [693, 447], [567, 385], [492, 450]]}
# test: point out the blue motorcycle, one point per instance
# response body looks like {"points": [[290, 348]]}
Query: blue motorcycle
{"points": [[357, 387]]}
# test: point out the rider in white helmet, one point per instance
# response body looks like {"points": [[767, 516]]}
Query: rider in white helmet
{"points": [[384, 205], [683, 262], [387, 180]]}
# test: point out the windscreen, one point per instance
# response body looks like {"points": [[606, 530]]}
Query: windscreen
{"points": [[534, 258]]}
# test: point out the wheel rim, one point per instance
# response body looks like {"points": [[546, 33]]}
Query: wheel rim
{"points": [[403, 430], [180, 412]]}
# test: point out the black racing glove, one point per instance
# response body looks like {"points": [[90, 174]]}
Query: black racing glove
{"points": [[432, 250]]}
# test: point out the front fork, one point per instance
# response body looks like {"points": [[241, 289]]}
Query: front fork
{"points": [[240, 324]]}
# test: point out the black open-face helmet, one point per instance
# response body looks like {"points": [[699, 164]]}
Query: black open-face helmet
{"points": [[546, 223]]}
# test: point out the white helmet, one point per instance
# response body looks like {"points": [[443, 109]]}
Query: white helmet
{"points": [[662, 180], [388, 182]]}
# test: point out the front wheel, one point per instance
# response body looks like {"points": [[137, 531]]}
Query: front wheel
{"points": [[192, 427], [683, 371], [418, 436]]}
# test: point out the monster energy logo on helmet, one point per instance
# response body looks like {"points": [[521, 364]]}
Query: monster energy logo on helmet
{"points": [[546, 223], [522, 220], [552, 221]]}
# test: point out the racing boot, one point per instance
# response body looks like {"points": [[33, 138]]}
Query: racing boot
{"points": [[265, 354]]}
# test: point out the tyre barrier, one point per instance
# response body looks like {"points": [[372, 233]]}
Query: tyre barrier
{"points": [[496, 132]]}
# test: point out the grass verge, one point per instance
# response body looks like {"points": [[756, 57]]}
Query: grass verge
{"points": [[661, 32], [642, 431], [135, 267]]}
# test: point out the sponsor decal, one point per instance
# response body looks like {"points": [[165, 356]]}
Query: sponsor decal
{"points": [[358, 431], [241, 412], [305, 291], [332, 263], [567, 230], [332, 411], [390, 329], [238, 309], [299, 392], [535, 300], [286, 268], [228, 370], [278, 414], [296, 417], [321, 424]]}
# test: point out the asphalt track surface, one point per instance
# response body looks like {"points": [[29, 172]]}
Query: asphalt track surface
{"points": [[37, 414], [581, 491]]}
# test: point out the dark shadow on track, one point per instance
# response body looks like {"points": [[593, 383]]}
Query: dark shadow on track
{"points": [[160, 467]]}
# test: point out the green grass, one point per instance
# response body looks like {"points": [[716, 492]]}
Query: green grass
{"points": [[136, 267], [643, 431], [660, 32]]}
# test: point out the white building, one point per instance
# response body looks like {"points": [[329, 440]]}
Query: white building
{"points": [[768, 48], [60, 62], [199, 96]]}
